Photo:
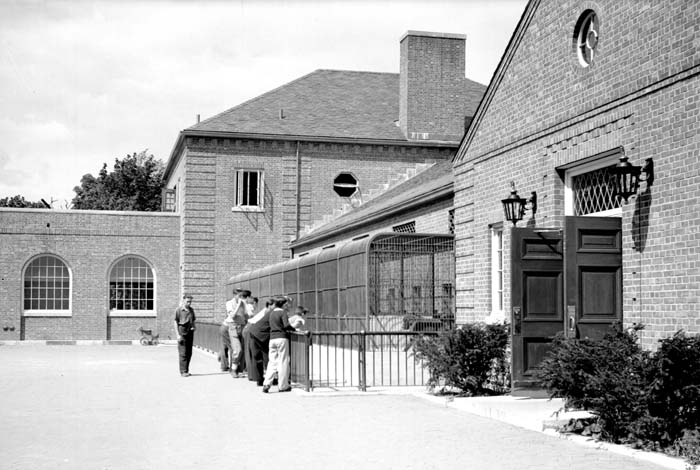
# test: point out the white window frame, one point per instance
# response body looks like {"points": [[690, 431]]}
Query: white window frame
{"points": [[579, 170], [497, 273], [238, 191], [49, 312], [132, 313]]}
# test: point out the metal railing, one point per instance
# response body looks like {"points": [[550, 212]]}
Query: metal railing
{"points": [[356, 359], [337, 359]]}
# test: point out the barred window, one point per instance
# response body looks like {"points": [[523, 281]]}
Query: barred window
{"points": [[593, 192], [47, 285], [409, 227], [249, 188], [131, 286]]}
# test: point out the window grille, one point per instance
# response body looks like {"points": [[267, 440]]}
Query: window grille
{"points": [[409, 227], [131, 285], [593, 192], [249, 188], [46, 285]]}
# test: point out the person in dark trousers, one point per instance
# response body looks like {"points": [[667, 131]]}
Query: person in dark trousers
{"points": [[259, 345], [184, 327], [279, 347]]}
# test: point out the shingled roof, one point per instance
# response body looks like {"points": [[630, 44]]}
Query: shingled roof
{"points": [[326, 103], [434, 183]]}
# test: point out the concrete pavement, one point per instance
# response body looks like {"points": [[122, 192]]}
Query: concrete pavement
{"points": [[126, 407]]}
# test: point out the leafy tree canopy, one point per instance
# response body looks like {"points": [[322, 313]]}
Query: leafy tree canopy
{"points": [[134, 184], [19, 201]]}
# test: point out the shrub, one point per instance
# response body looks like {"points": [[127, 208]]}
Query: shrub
{"points": [[608, 377], [675, 389], [688, 446], [463, 357]]}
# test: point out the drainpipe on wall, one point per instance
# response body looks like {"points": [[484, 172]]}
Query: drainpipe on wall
{"points": [[298, 196]]}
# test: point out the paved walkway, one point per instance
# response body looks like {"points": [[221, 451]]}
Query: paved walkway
{"points": [[126, 407]]}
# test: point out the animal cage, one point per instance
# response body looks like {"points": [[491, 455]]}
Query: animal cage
{"points": [[385, 282]]}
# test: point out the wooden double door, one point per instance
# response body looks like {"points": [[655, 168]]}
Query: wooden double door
{"points": [[567, 281]]}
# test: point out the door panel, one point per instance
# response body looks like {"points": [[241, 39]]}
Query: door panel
{"points": [[537, 299], [593, 274]]}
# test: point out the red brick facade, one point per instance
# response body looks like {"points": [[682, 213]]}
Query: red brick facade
{"points": [[545, 111], [89, 243], [219, 242]]}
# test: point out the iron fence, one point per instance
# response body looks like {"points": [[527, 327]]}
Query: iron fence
{"points": [[338, 359], [360, 359]]}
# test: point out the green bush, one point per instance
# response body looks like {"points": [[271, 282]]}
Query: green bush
{"points": [[464, 358], [648, 400], [608, 377], [675, 389]]}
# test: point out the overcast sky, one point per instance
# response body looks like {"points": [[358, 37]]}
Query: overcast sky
{"points": [[85, 82]]}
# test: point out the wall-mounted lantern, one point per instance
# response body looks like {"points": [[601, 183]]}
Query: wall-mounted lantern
{"points": [[515, 206], [626, 177]]}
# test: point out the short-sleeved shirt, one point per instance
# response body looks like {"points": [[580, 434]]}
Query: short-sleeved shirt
{"points": [[185, 318]]}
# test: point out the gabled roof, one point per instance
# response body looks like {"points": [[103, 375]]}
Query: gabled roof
{"points": [[326, 103], [497, 77], [434, 183]]}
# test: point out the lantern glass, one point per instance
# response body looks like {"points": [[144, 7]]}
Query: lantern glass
{"points": [[514, 207], [626, 181]]}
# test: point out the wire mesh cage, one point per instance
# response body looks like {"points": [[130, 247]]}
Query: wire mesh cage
{"points": [[411, 280]]}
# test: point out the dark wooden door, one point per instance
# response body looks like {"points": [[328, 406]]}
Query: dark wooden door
{"points": [[537, 293], [593, 261]]}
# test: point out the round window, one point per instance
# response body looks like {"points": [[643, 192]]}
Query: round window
{"points": [[345, 184], [586, 37]]}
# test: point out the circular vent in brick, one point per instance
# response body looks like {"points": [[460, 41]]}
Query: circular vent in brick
{"points": [[586, 37], [345, 184]]}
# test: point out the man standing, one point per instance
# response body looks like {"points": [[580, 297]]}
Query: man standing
{"points": [[225, 351], [238, 309], [184, 327]]}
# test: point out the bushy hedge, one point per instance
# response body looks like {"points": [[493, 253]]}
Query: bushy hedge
{"points": [[466, 358], [646, 399]]}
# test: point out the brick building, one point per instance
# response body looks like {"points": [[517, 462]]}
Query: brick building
{"points": [[86, 275], [240, 186], [248, 181], [580, 85]]}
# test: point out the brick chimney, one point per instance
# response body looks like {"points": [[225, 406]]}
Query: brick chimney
{"points": [[431, 89]]}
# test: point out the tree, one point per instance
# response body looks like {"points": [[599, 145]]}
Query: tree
{"points": [[19, 201], [134, 184]]}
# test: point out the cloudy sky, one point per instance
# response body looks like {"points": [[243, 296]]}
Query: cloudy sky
{"points": [[85, 82]]}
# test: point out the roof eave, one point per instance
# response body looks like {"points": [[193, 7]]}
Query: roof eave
{"points": [[440, 192]]}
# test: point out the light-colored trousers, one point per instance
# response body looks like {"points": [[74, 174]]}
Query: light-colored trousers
{"points": [[279, 362], [236, 348]]}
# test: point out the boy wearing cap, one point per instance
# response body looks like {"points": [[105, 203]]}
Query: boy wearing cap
{"points": [[184, 327]]}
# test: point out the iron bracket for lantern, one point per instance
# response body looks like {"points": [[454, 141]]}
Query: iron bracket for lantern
{"points": [[514, 206]]}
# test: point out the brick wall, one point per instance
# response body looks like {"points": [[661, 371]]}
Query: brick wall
{"points": [[639, 94], [219, 243], [89, 242]]}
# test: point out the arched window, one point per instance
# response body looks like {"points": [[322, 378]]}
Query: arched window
{"points": [[47, 286], [131, 287]]}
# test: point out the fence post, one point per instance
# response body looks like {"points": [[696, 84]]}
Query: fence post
{"points": [[362, 361], [307, 360]]}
